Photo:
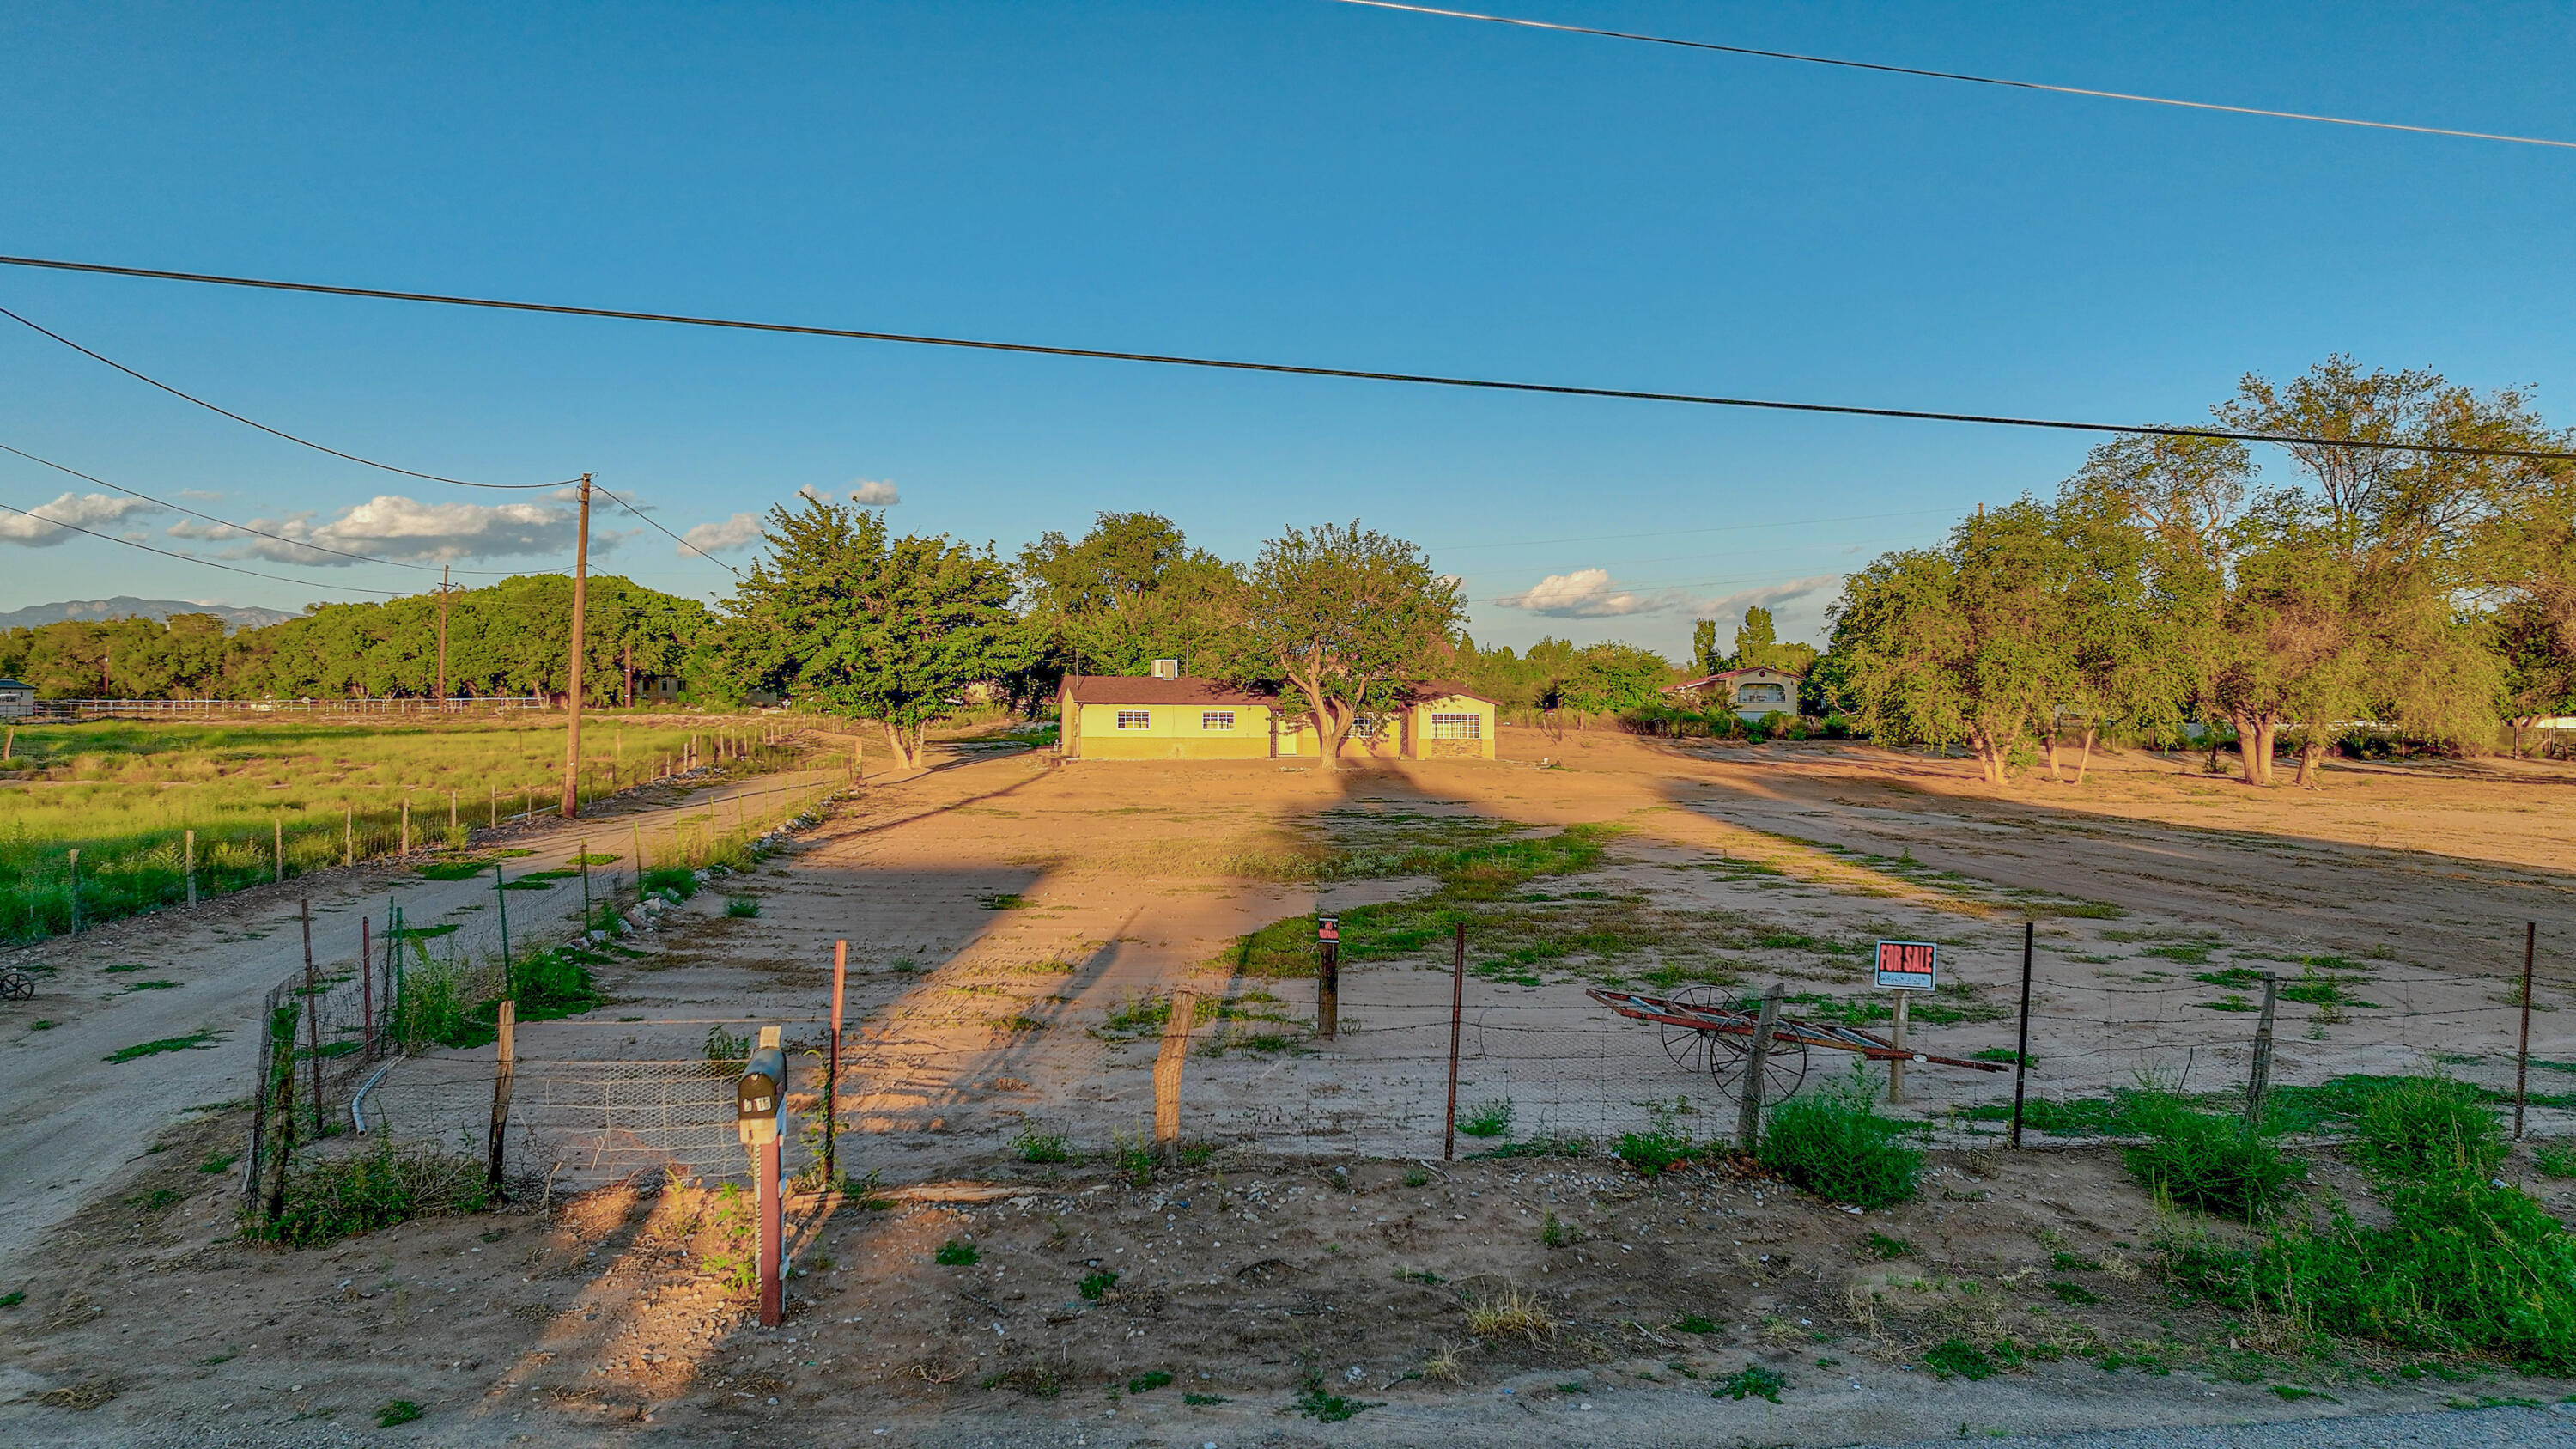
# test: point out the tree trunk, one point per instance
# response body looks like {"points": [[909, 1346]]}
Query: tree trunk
{"points": [[903, 753], [2519, 724], [1328, 744], [2084, 761], [2248, 752], [2048, 733], [1990, 757], [2267, 726], [2311, 750]]}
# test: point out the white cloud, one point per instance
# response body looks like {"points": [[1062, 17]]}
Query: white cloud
{"points": [[734, 532], [875, 493], [1730, 609], [395, 527], [1583, 594], [85, 510]]}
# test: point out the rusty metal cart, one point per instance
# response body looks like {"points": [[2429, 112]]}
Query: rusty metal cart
{"points": [[1702, 1034]]}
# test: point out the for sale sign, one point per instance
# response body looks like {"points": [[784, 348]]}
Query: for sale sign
{"points": [[1328, 929], [1908, 965]]}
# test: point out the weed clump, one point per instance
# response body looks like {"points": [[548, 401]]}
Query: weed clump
{"points": [[1510, 1314], [1753, 1381], [1958, 1358], [1832, 1144], [1036, 1146], [1487, 1119], [954, 1254], [2213, 1163], [2421, 1127], [742, 907], [341, 1197]]}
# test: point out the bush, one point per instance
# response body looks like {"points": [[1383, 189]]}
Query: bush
{"points": [[741, 907], [679, 880], [954, 1254], [1753, 1382], [2427, 1127], [1654, 1153], [339, 1197], [1958, 1358], [2463, 1266], [1487, 1119], [2216, 1164], [1832, 1144]]}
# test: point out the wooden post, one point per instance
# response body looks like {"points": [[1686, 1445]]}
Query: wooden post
{"points": [[192, 867], [639, 858], [1896, 1039], [571, 804], [495, 821], [75, 889], [1328, 976], [451, 810], [505, 1062], [367, 985], [2522, 1053], [312, 1013], [773, 1224], [2259, 1081], [406, 826], [584, 858], [832, 1071], [2021, 1047], [348, 835], [277, 827], [1757, 1073], [1457, 1014], [1167, 1071], [282, 1116]]}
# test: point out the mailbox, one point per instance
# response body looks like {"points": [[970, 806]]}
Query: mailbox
{"points": [[757, 1095]]}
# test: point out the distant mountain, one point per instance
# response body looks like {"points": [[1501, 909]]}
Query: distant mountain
{"points": [[125, 606]]}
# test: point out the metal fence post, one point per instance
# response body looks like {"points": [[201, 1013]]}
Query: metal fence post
{"points": [[367, 986], [501, 901], [312, 1012], [2522, 1053], [2021, 1046], [832, 1072], [1457, 1013]]}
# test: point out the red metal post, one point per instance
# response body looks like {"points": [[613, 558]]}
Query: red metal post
{"points": [[773, 1232]]}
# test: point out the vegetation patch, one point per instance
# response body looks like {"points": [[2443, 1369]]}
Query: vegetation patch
{"points": [[2213, 1162], [1753, 1381], [1832, 1143], [335, 1198], [139, 1050]]}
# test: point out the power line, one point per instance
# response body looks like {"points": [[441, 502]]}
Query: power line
{"points": [[666, 533], [207, 562], [263, 427], [241, 527], [1685, 532], [1983, 80], [2467, 450]]}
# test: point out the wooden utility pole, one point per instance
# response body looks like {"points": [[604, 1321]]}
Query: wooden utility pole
{"points": [[442, 635], [572, 736]]}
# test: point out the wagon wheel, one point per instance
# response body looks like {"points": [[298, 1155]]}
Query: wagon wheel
{"points": [[1786, 1072], [1689, 1046], [17, 986]]}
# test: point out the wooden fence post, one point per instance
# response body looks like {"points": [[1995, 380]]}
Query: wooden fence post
{"points": [[192, 867], [277, 829], [1167, 1071], [2259, 1081], [505, 1061], [348, 835], [1757, 1073], [312, 1012]]}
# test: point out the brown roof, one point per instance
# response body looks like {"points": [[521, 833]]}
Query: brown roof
{"points": [[1190, 689], [1132, 689]]}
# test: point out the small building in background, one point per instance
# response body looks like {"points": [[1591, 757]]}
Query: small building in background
{"points": [[17, 700], [1751, 692]]}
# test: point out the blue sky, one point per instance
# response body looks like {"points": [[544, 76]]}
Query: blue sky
{"points": [[1289, 180]]}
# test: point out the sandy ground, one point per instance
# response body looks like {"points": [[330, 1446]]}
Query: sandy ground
{"points": [[999, 909]]}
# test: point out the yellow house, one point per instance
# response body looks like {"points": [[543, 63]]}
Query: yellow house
{"points": [[1180, 717], [1751, 692]]}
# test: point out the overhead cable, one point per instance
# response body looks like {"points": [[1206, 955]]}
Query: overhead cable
{"points": [[666, 533], [265, 428], [2467, 450], [243, 527], [1982, 80]]}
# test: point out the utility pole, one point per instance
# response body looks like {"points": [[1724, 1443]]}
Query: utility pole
{"points": [[443, 587], [580, 582]]}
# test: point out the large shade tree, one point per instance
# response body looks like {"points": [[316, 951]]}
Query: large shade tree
{"points": [[1347, 617], [844, 617]]}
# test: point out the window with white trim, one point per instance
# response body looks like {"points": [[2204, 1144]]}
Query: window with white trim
{"points": [[1216, 719], [1457, 727], [1135, 719]]}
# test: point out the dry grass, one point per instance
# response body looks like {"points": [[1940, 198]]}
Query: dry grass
{"points": [[1444, 1367], [1510, 1314]]}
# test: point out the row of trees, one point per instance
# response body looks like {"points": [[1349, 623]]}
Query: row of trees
{"points": [[2425, 591], [512, 638]]}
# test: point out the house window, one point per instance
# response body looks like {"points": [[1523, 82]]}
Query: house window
{"points": [[1135, 719], [1762, 694], [1217, 719], [1457, 726]]}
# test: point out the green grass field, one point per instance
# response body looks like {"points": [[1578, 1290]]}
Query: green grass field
{"points": [[124, 793]]}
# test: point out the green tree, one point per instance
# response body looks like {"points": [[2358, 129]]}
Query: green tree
{"points": [[840, 615], [1126, 593], [1349, 618], [1704, 647], [1962, 643]]}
